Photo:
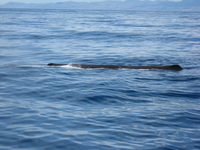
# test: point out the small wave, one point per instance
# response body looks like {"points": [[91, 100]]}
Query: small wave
{"points": [[70, 66], [23, 66], [31, 66]]}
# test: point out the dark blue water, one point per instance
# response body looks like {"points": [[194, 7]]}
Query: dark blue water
{"points": [[70, 108]]}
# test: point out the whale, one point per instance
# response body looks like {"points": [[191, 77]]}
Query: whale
{"points": [[87, 66]]}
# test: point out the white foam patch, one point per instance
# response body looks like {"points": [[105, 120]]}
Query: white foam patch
{"points": [[70, 66]]}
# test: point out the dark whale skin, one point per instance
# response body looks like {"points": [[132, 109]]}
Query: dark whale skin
{"points": [[84, 66]]}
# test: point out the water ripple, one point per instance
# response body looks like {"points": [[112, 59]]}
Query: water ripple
{"points": [[45, 107]]}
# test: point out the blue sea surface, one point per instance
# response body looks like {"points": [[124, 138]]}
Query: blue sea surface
{"points": [[70, 108]]}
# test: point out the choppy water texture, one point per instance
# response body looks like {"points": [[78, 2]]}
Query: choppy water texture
{"points": [[69, 108]]}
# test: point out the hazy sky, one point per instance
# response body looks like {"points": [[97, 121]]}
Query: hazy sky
{"points": [[53, 1]]}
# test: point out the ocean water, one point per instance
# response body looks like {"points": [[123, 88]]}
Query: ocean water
{"points": [[106, 109]]}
